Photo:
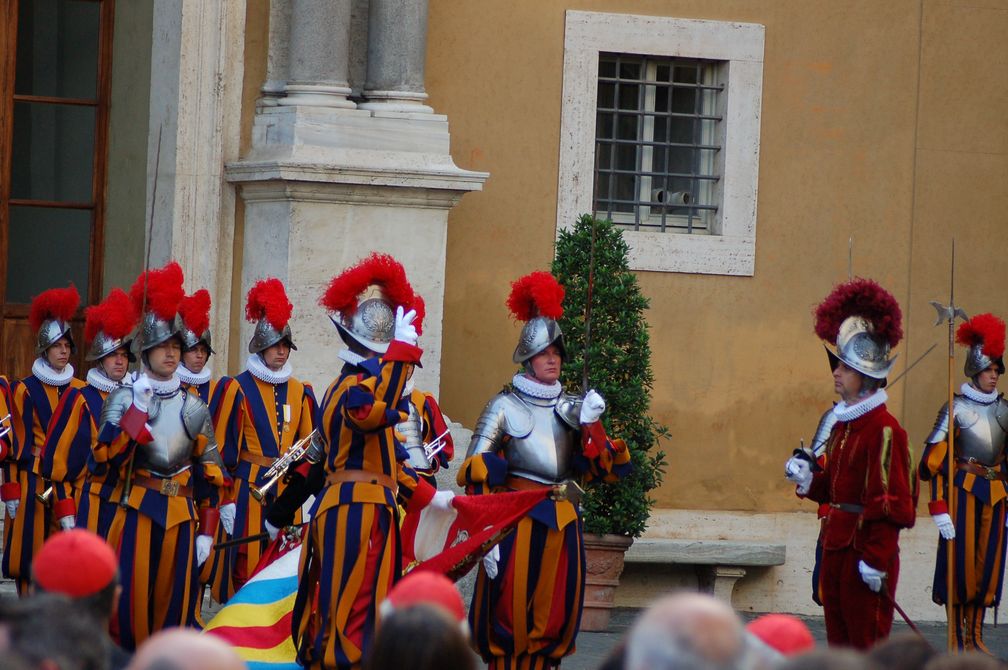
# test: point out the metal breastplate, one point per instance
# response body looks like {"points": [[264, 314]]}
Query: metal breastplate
{"points": [[545, 453], [411, 431], [981, 433], [174, 422]]}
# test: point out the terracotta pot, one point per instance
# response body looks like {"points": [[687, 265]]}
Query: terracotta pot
{"points": [[604, 564]]}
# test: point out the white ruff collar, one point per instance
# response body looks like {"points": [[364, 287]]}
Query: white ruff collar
{"points": [[194, 378], [98, 379], [976, 395], [531, 387], [48, 375], [350, 357], [167, 387], [255, 365], [408, 388], [845, 412]]}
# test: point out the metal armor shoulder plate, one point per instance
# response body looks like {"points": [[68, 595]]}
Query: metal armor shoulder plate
{"points": [[568, 408], [518, 419], [1002, 413], [196, 417], [940, 431], [822, 433], [504, 414], [116, 404]]}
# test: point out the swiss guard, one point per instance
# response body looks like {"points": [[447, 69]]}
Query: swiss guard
{"points": [[535, 436], [978, 530], [868, 479], [34, 399]]}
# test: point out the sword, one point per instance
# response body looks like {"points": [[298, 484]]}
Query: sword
{"points": [[903, 614]]}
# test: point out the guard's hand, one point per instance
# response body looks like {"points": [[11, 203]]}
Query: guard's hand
{"points": [[490, 561], [272, 530], [203, 545], [67, 523], [442, 500], [592, 407], [12, 507], [799, 471], [142, 391], [870, 576], [945, 526], [227, 517], [404, 329]]}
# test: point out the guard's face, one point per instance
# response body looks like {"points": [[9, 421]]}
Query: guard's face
{"points": [[164, 358], [276, 356], [58, 354], [546, 364], [196, 358], [114, 365], [987, 380], [846, 382]]}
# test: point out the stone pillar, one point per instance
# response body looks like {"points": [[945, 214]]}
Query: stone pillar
{"points": [[319, 47], [397, 49], [278, 52]]}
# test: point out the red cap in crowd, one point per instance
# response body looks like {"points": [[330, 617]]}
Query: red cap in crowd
{"points": [[77, 563]]}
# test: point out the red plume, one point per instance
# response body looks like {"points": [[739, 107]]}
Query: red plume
{"points": [[864, 298], [195, 311], [56, 303], [115, 316], [268, 300], [164, 291], [985, 329], [421, 311], [377, 269], [536, 294]]}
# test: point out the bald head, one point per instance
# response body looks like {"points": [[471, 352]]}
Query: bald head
{"points": [[185, 649], [686, 630]]}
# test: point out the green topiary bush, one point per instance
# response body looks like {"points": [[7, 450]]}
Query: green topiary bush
{"points": [[619, 368]]}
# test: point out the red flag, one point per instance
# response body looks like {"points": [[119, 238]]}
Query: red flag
{"points": [[452, 542]]}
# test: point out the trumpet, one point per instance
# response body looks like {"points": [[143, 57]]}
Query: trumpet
{"points": [[5, 429], [280, 465], [432, 448], [45, 496]]}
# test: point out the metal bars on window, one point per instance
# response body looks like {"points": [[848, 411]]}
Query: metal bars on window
{"points": [[656, 135]]}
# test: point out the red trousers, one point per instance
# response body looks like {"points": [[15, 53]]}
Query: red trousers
{"points": [[855, 615]]}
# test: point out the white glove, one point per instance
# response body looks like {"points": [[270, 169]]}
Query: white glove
{"points": [[203, 545], [592, 407], [945, 527], [271, 529], [67, 523], [227, 517], [799, 471], [870, 576], [404, 329], [442, 500], [490, 561], [12, 507], [142, 392]]}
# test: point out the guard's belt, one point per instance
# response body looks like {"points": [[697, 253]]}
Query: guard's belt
{"points": [[344, 476], [848, 507], [982, 470], [256, 459], [166, 487]]}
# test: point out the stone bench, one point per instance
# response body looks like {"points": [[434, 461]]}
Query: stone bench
{"points": [[719, 563]]}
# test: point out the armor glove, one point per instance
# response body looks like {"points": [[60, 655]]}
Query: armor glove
{"points": [[870, 576], [67, 523], [799, 471], [142, 392], [592, 407], [404, 329], [203, 545], [227, 517], [12, 507], [490, 561], [442, 500], [271, 530], [945, 527]]}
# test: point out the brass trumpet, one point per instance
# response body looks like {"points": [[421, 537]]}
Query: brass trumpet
{"points": [[46, 496], [280, 465], [5, 429]]}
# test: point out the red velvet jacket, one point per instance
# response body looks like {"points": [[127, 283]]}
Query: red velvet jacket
{"points": [[868, 466]]}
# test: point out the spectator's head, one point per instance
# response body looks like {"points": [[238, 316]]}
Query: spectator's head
{"points": [[420, 637], [783, 632], [427, 588], [970, 660], [82, 566], [44, 632], [185, 649], [832, 658], [903, 651], [686, 630]]}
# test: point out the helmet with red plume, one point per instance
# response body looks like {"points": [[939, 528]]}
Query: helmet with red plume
{"points": [[109, 324], [194, 311], [268, 307], [864, 322], [537, 299], [984, 335], [50, 316], [365, 297], [156, 294]]}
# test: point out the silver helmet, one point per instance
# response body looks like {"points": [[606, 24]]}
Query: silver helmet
{"points": [[265, 336], [103, 345], [154, 330], [977, 361], [861, 349], [372, 325], [50, 332], [191, 339], [538, 333]]}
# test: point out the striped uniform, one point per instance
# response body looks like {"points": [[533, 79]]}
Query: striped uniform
{"points": [[33, 404], [223, 397], [432, 424], [272, 418], [351, 554], [5, 418]]}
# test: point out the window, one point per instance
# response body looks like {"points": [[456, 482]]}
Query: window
{"points": [[660, 133]]}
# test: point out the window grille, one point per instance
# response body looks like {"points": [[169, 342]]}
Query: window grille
{"points": [[657, 136]]}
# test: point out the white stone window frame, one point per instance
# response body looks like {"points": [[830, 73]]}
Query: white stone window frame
{"points": [[739, 47]]}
